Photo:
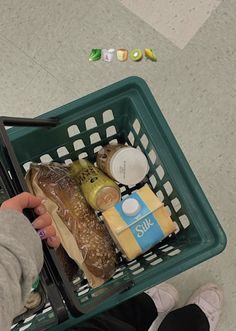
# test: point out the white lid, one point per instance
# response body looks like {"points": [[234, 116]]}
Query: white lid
{"points": [[129, 166], [131, 207]]}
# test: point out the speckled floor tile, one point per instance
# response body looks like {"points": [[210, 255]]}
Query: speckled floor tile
{"points": [[17, 72], [39, 27], [176, 20], [42, 94]]}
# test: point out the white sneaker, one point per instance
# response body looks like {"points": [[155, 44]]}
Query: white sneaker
{"points": [[210, 299], [165, 297]]}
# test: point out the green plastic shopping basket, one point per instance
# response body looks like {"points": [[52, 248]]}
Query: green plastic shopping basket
{"points": [[126, 112]]}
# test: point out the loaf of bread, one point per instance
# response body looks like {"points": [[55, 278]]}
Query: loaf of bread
{"points": [[96, 254], [69, 265]]}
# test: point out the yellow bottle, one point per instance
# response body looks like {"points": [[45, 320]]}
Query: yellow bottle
{"points": [[99, 190]]}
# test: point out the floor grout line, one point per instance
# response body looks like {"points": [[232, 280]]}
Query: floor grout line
{"points": [[164, 28], [38, 64]]}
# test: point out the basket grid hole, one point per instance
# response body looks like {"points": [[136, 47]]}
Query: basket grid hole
{"points": [[136, 126], [110, 131], [131, 138], [184, 221], [97, 149], [73, 130], [160, 195], [160, 171], [150, 258], [79, 292], [78, 280], [26, 165], [113, 141], [147, 254], [153, 181], [135, 266], [90, 123], [177, 228], [95, 137], [9, 173], [131, 263], [167, 249], [144, 141], [122, 189], [83, 291], [176, 204], [168, 187], [156, 261], [62, 151], [78, 144], [152, 156], [136, 272], [68, 161], [161, 247], [46, 158], [168, 209], [47, 310], [82, 155], [108, 116], [175, 252], [118, 275], [25, 327], [29, 318]]}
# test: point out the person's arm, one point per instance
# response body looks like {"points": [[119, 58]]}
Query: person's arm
{"points": [[21, 259], [21, 255]]}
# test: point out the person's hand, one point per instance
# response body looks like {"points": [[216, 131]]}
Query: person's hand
{"points": [[43, 223]]}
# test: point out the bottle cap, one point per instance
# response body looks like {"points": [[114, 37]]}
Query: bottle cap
{"points": [[129, 166], [131, 207]]}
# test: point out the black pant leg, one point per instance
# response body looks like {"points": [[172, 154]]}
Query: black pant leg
{"points": [[188, 318], [139, 311], [103, 322], [136, 314]]}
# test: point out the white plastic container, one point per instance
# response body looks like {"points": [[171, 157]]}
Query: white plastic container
{"points": [[126, 164]]}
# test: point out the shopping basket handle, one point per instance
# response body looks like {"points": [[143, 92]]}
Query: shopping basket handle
{"points": [[23, 121], [8, 151]]}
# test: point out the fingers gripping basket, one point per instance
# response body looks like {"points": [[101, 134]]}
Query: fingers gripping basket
{"points": [[126, 112]]}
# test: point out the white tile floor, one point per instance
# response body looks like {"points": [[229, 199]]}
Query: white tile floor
{"points": [[176, 20], [44, 47]]}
